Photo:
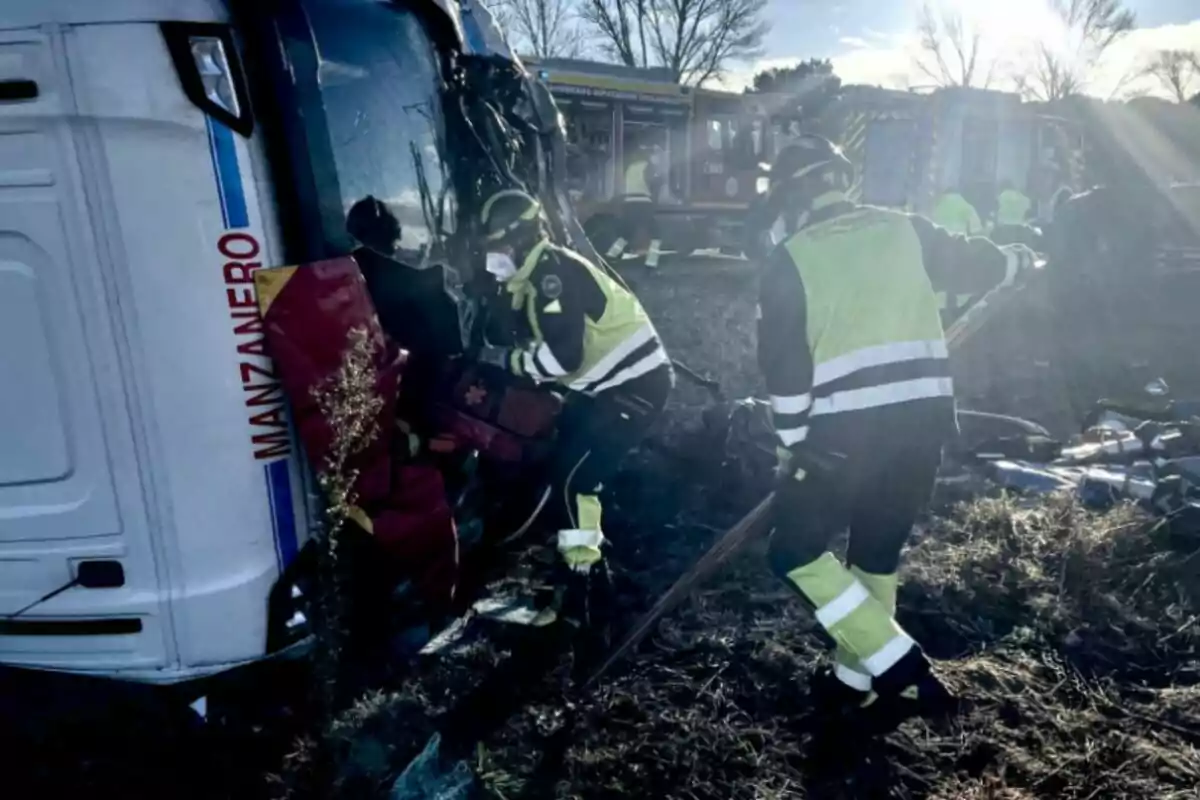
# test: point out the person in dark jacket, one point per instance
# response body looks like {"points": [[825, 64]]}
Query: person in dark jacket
{"points": [[415, 306], [856, 365]]}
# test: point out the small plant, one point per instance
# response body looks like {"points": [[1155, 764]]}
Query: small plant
{"points": [[350, 404]]}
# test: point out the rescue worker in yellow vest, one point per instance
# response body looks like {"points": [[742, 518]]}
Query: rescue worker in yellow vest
{"points": [[589, 335], [855, 363], [956, 214], [643, 181], [1013, 207], [1014, 223]]}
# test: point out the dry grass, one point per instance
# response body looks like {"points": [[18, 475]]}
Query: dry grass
{"points": [[1072, 635]]}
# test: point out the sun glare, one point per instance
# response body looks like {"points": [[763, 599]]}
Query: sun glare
{"points": [[1012, 24]]}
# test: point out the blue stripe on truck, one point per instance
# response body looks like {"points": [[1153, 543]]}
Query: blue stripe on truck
{"points": [[235, 215], [229, 177], [279, 486]]}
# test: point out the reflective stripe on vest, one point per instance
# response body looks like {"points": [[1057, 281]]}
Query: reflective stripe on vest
{"points": [[874, 330], [618, 347]]}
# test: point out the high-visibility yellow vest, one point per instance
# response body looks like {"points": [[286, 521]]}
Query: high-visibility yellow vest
{"points": [[636, 184], [623, 330], [956, 215], [1012, 208]]}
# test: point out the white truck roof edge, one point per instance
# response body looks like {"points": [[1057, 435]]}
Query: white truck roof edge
{"points": [[35, 13]]}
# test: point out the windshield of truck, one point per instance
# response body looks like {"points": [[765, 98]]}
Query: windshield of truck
{"points": [[380, 81]]}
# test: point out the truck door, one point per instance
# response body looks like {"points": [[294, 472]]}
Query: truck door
{"points": [[69, 486]]}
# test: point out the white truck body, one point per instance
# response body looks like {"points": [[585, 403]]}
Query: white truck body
{"points": [[140, 420], [153, 155]]}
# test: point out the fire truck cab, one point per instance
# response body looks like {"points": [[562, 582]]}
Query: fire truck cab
{"points": [[911, 147], [708, 146]]}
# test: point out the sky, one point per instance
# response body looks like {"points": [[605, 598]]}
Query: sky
{"points": [[872, 41]]}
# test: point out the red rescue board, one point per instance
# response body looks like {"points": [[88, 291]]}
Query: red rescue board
{"points": [[310, 314]]}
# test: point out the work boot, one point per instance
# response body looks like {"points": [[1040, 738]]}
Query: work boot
{"points": [[829, 696], [927, 698]]}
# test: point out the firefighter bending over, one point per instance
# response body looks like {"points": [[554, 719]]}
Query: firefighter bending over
{"points": [[586, 332], [855, 361]]}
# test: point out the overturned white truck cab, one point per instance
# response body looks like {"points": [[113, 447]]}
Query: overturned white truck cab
{"points": [[153, 156]]}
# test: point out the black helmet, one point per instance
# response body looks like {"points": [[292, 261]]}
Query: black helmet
{"points": [[510, 214], [371, 222], [808, 168]]}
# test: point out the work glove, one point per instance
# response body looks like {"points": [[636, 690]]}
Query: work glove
{"points": [[783, 466], [799, 462], [494, 356], [1020, 261]]}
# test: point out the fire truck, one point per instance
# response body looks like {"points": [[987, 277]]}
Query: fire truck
{"points": [[710, 145], [912, 146], [909, 147]]}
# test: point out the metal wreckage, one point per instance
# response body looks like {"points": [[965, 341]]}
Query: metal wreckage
{"points": [[434, 463]]}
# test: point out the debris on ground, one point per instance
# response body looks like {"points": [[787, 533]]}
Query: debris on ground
{"points": [[1074, 634]]}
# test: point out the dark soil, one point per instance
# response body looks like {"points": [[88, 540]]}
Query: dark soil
{"points": [[1073, 639]]}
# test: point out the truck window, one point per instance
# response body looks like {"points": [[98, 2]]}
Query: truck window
{"points": [[379, 82], [716, 136]]}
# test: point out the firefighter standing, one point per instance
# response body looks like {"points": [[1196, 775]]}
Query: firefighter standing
{"points": [[956, 214], [643, 183], [587, 333], [855, 362], [1013, 207]]}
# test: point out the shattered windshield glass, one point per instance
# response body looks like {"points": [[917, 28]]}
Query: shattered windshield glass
{"points": [[380, 83]]}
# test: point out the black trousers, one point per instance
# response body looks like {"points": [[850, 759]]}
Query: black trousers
{"points": [[878, 491], [596, 433], [639, 226]]}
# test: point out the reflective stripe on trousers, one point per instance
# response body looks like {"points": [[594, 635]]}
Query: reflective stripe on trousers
{"points": [[858, 622], [883, 588]]}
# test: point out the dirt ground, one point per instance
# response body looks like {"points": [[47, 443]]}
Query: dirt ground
{"points": [[1074, 639]]}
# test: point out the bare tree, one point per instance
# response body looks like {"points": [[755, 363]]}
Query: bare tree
{"points": [[1177, 71], [542, 28], [695, 39], [1062, 66], [951, 49]]}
